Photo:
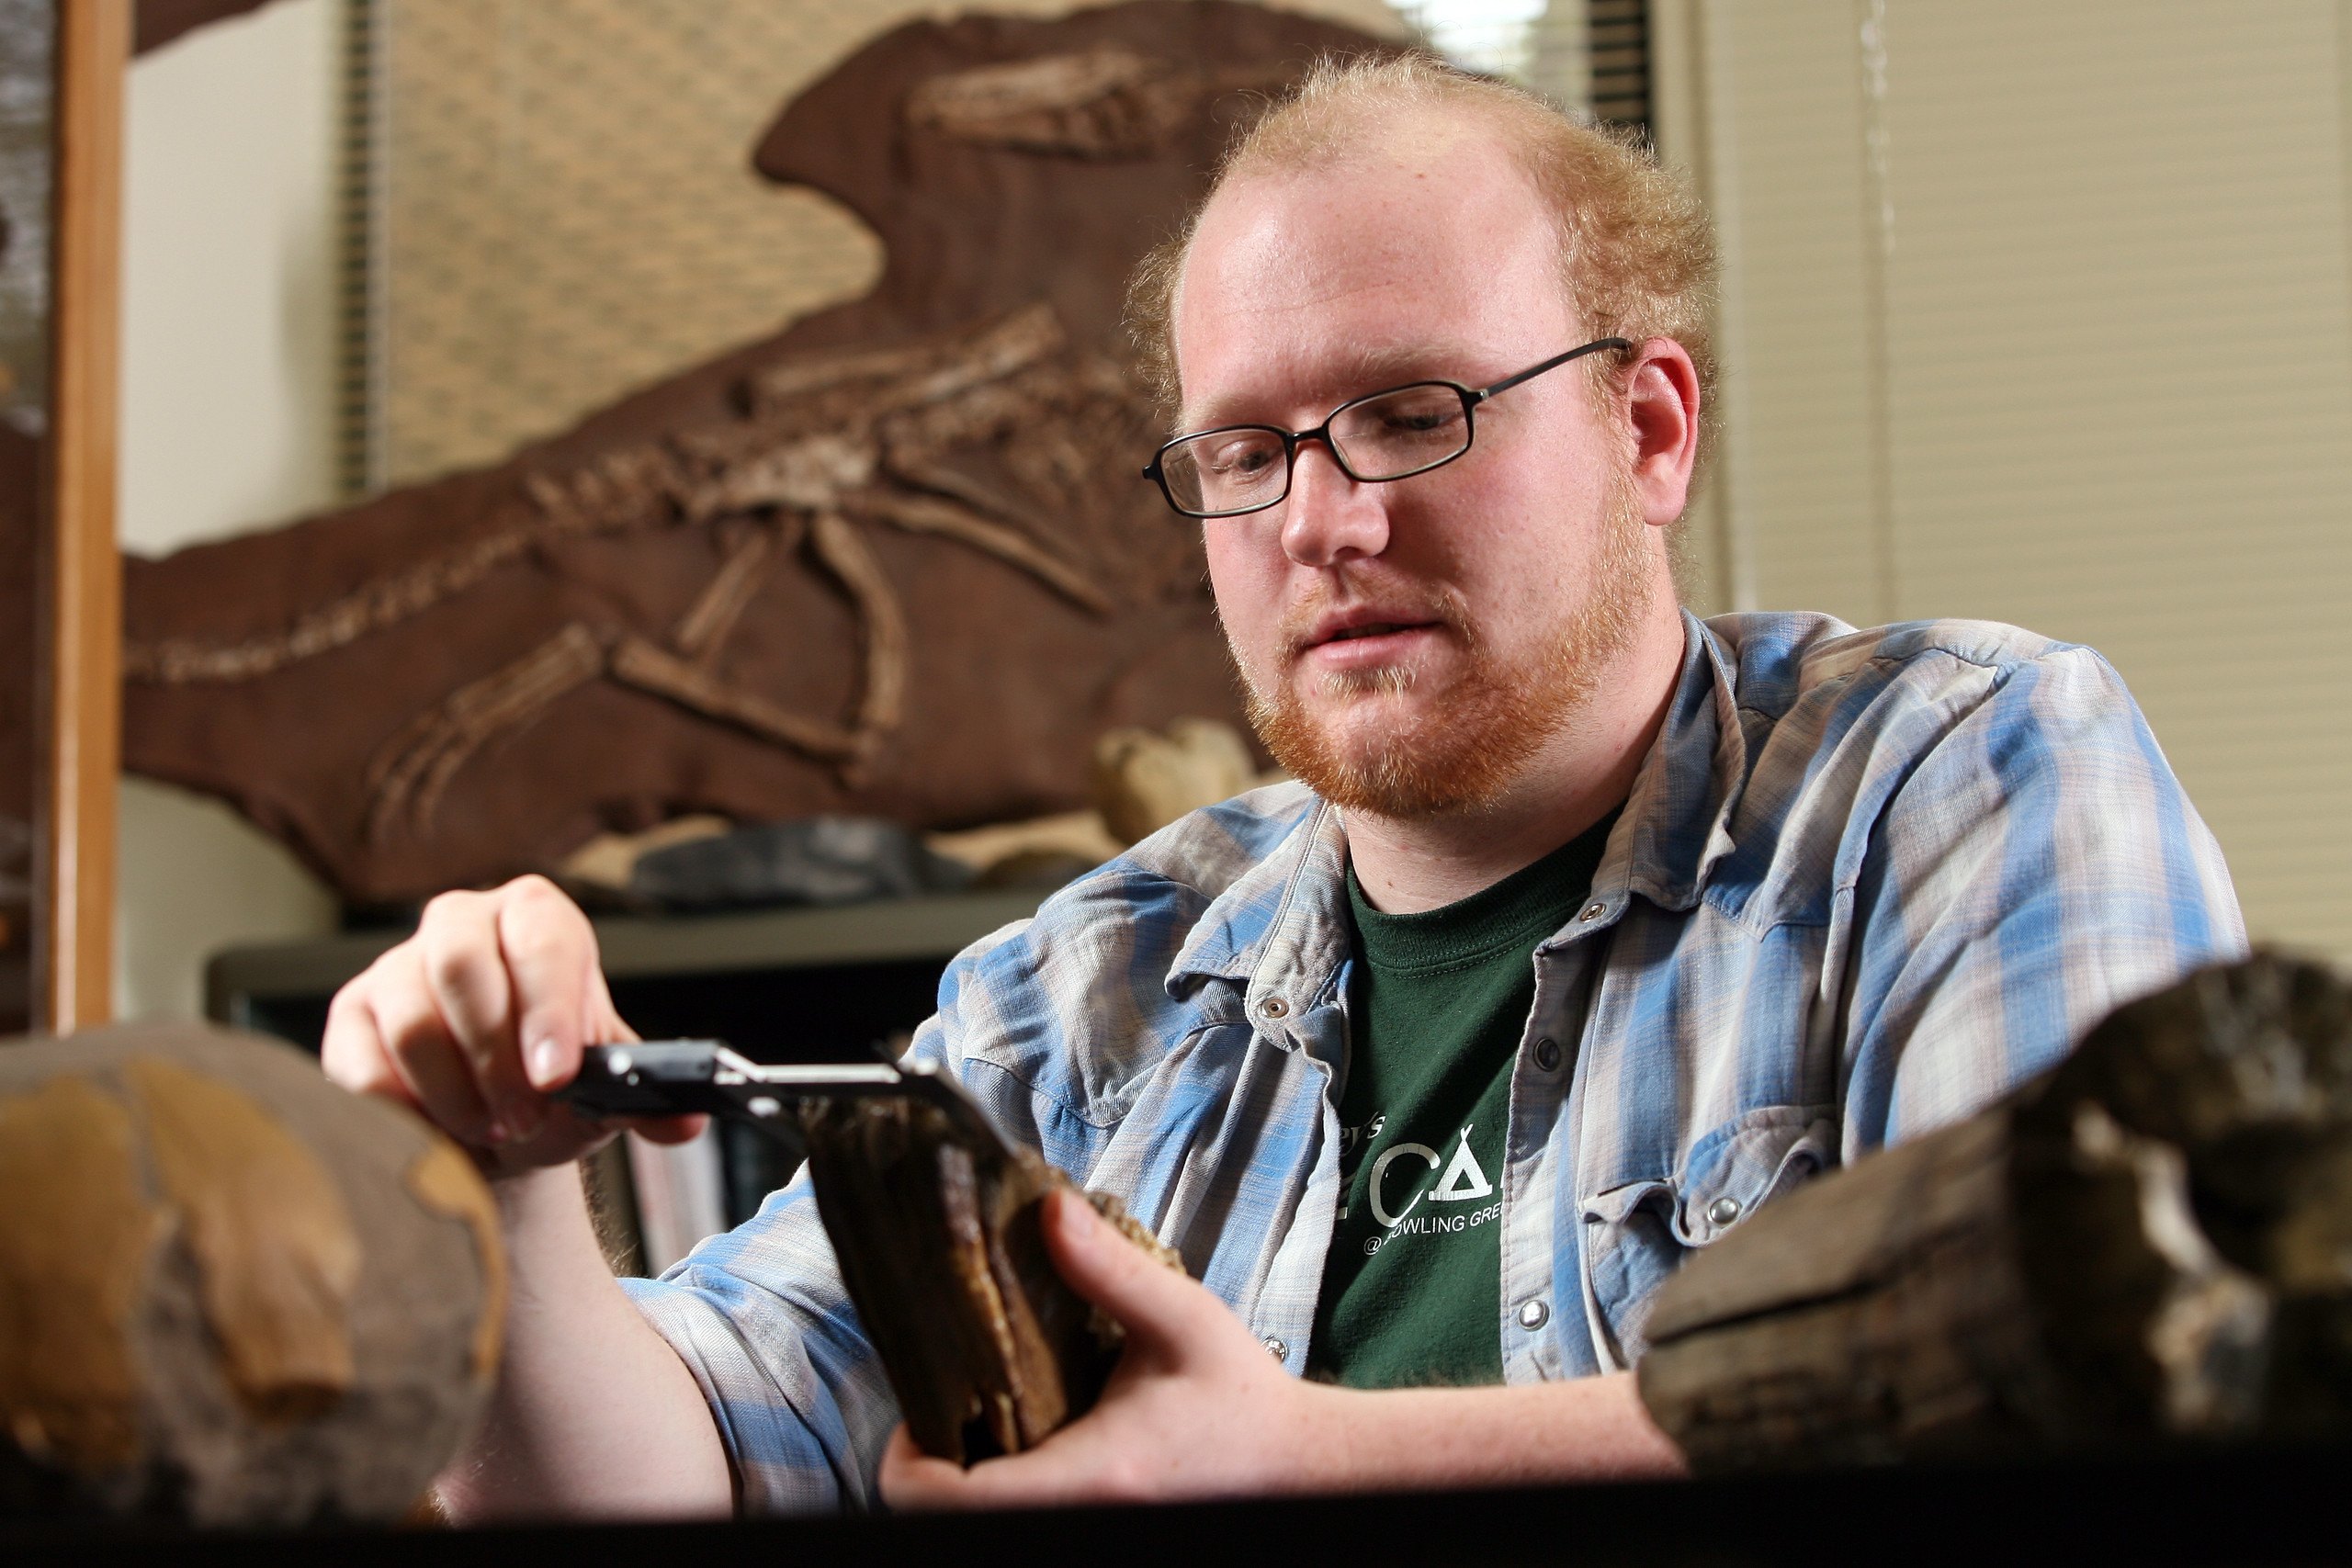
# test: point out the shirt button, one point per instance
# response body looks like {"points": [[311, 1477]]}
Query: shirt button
{"points": [[1277, 1350], [1591, 913], [1547, 1054], [1533, 1314], [1274, 1007], [1723, 1211]]}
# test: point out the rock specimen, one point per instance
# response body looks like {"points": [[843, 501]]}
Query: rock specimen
{"points": [[229, 1292], [895, 561], [936, 1224], [2151, 1242]]}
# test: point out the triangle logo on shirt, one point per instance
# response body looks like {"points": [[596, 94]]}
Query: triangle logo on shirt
{"points": [[1464, 1180]]}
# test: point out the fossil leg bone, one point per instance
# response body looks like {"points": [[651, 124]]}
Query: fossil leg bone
{"points": [[702, 631], [411, 773], [647, 667], [928, 514], [846, 554]]}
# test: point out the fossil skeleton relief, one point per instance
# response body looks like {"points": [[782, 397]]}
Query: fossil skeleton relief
{"points": [[893, 560]]}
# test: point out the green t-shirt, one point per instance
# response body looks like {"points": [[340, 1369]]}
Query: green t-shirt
{"points": [[1412, 1284]]}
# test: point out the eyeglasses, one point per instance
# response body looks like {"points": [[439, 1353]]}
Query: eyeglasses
{"points": [[1384, 436]]}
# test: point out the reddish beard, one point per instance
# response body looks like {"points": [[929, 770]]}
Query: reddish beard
{"points": [[1469, 743]]}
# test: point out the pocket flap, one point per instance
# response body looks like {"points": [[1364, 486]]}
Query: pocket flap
{"points": [[1745, 1163]]}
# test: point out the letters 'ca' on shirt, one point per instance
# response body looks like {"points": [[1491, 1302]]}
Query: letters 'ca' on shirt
{"points": [[1863, 883], [1437, 1005]]}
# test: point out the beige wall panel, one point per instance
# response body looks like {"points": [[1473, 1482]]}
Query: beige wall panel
{"points": [[2120, 390], [2108, 299], [1787, 117], [1683, 123]]}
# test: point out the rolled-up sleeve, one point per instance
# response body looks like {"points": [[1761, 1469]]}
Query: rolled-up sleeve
{"points": [[759, 1318]]}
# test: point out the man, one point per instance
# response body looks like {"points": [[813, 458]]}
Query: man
{"points": [[1590, 928]]}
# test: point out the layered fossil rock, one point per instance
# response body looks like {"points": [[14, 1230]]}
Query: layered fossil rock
{"points": [[2152, 1242], [937, 1226]]}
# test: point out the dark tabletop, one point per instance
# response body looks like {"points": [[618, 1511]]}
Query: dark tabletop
{"points": [[2281, 1505]]}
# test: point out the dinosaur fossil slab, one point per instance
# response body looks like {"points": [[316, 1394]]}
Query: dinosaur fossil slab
{"points": [[894, 561]]}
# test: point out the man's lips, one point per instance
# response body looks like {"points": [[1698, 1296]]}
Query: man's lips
{"points": [[1362, 623], [1361, 640]]}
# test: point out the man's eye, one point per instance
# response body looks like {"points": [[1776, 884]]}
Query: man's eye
{"points": [[1240, 459], [1419, 421]]}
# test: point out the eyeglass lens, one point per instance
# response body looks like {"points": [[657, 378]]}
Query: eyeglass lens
{"points": [[1385, 436]]}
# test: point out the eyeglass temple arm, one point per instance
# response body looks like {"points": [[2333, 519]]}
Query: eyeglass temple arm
{"points": [[1508, 382]]}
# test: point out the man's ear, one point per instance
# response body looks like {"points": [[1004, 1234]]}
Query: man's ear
{"points": [[1662, 410]]}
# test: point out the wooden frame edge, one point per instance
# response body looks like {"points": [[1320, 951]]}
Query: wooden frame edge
{"points": [[82, 581]]}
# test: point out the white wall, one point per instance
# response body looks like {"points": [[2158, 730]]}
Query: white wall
{"points": [[229, 366]]}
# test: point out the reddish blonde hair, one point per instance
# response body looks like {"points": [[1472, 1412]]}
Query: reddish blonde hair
{"points": [[1636, 256]]}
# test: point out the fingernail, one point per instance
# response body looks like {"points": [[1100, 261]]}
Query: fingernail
{"points": [[543, 1060]]}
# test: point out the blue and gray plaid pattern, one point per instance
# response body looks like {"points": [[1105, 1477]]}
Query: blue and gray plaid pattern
{"points": [[1865, 882]]}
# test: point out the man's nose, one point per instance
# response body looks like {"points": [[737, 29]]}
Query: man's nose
{"points": [[1327, 516]]}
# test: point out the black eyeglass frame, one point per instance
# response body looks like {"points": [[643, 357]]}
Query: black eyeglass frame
{"points": [[1292, 439]]}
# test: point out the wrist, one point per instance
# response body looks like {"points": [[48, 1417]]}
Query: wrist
{"points": [[544, 1217], [1328, 1453], [526, 1195]]}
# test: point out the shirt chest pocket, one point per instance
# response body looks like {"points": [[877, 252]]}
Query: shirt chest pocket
{"points": [[1638, 1233]]}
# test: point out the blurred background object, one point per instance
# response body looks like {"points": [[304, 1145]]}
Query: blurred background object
{"points": [[230, 1293], [1145, 780]]}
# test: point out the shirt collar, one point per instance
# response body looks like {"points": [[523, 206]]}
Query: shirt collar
{"points": [[1282, 928], [1675, 826]]}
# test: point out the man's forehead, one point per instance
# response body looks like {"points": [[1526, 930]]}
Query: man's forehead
{"points": [[1350, 370], [1347, 279]]}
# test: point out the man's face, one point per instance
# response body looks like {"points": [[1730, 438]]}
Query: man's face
{"points": [[1410, 646]]}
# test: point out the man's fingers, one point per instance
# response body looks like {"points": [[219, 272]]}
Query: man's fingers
{"points": [[440, 1021], [353, 1054], [466, 973], [1152, 1301], [415, 1042], [550, 954], [913, 1482], [605, 1025]]}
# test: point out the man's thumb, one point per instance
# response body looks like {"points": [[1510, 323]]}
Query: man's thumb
{"points": [[1147, 1298]]}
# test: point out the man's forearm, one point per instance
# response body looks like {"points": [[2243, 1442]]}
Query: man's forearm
{"points": [[593, 1415], [1585, 1429]]}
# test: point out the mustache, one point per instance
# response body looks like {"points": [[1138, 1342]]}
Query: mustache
{"points": [[1403, 597]]}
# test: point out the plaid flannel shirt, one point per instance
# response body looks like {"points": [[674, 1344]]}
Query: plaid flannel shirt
{"points": [[1865, 882]]}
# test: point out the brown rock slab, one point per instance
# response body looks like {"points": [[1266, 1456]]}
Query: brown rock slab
{"points": [[938, 1227]]}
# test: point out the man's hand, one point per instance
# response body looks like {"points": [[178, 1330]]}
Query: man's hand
{"points": [[471, 1021], [1197, 1408], [476, 1019]]}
